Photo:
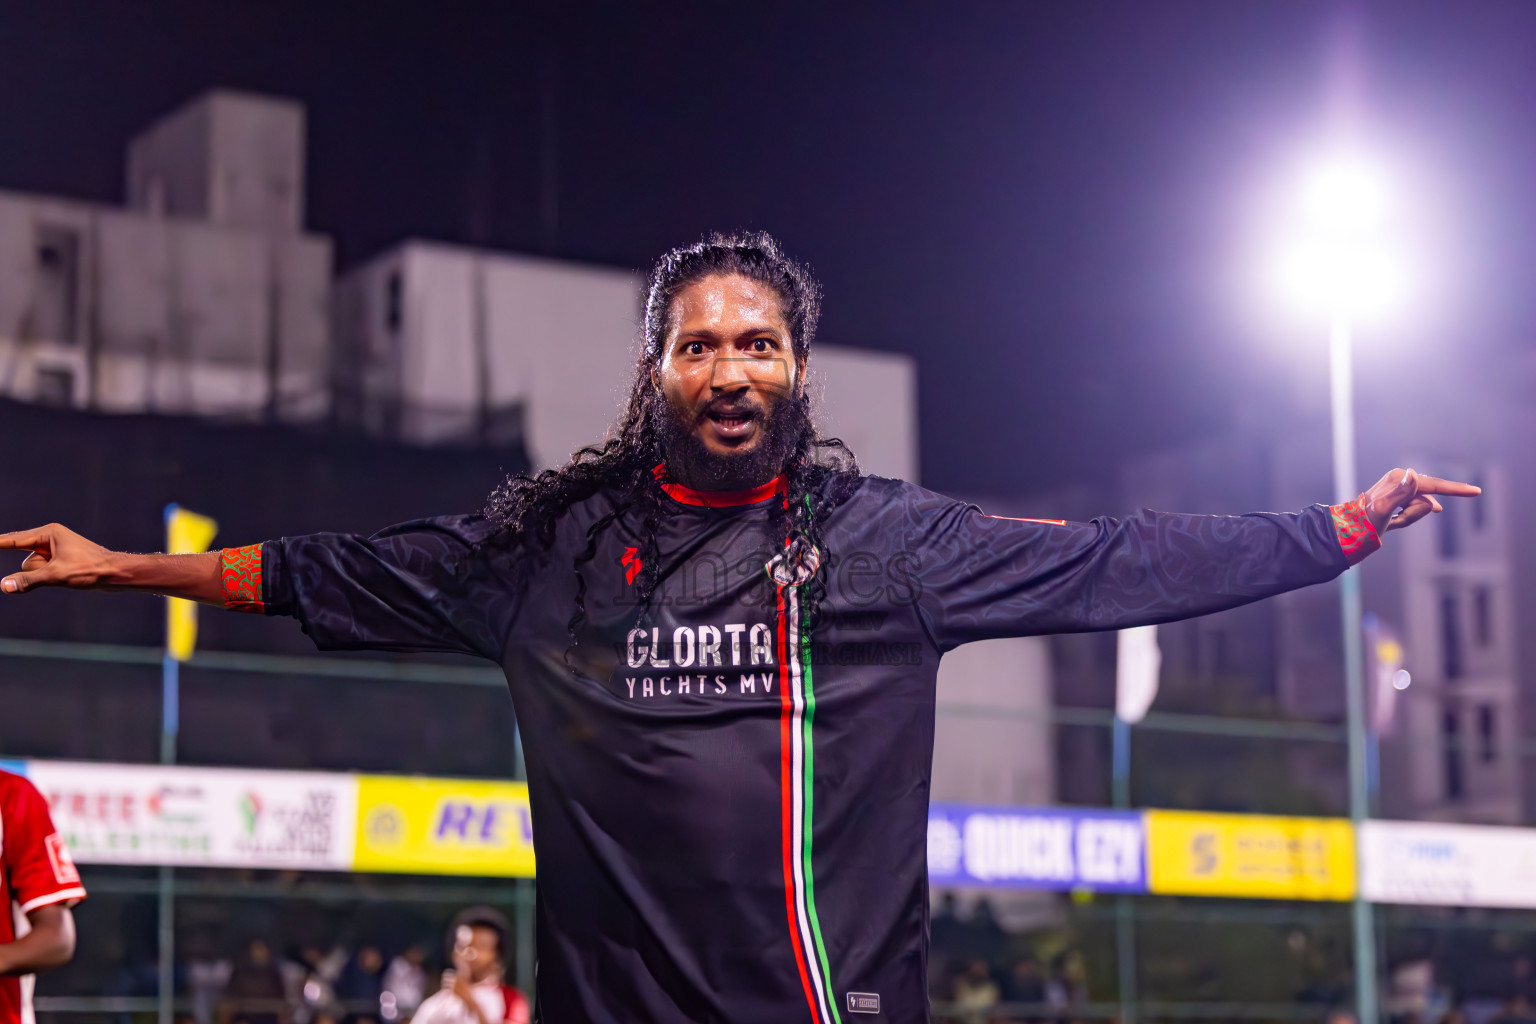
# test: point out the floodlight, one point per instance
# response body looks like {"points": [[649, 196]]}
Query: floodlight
{"points": [[1342, 259]]}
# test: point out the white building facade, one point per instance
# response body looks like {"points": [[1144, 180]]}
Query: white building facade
{"points": [[1459, 721], [201, 298]]}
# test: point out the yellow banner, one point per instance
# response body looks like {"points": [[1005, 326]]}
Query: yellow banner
{"points": [[443, 827], [186, 533], [1192, 854]]}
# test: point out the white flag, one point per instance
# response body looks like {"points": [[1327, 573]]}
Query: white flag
{"points": [[1384, 656], [1138, 662]]}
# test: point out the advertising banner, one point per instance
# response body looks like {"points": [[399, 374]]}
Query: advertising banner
{"points": [[444, 827], [204, 817], [1036, 848], [1191, 854], [1454, 865]]}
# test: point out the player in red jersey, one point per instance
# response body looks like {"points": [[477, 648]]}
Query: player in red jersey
{"points": [[38, 885], [476, 992]]}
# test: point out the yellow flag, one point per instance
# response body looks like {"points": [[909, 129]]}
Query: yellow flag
{"points": [[186, 533]]}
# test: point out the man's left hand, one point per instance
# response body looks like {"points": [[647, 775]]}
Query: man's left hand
{"points": [[1403, 497]]}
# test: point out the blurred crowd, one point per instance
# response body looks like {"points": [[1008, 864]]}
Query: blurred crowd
{"points": [[979, 972], [305, 985], [363, 984], [1493, 990]]}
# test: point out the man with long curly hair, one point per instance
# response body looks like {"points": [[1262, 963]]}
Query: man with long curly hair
{"points": [[722, 643]]}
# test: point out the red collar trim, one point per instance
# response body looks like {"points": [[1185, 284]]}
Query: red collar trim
{"points": [[716, 499]]}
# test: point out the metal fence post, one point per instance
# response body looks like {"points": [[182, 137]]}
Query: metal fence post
{"points": [[170, 723]]}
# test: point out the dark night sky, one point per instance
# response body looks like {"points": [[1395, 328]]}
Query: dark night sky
{"points": [[1043, 201]]}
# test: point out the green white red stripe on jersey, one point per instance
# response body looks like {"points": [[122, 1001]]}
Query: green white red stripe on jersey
{"points": [[797, 718]]}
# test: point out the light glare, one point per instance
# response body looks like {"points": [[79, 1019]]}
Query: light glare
{"points": [[1346, 194], [1341, 257], [1401, 679]]}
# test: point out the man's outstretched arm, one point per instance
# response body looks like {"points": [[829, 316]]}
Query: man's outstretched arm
{"points": [[988, 576], [60, 557], [419, 586]]}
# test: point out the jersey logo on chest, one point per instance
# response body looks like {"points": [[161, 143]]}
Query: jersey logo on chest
{"points": [[632, 565]]}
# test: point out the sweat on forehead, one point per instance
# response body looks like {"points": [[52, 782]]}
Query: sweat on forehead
{"points": [[717, 297]]}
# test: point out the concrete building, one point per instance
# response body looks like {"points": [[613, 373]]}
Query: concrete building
{"points": [[228, 159], [441, 344], [204, 296], [444, 344], [1455, 754]]}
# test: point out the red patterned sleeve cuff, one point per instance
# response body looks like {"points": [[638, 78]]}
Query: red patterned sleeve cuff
{"points": [[240, 569], [1357, 537]]}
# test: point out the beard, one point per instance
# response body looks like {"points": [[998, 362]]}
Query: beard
{"points": [[782, 424]]}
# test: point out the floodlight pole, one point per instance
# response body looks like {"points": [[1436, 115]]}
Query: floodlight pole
{"points": [[170, 715], [1125, 910], [1345, 487]]}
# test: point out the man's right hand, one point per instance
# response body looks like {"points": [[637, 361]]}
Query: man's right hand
{"points": [[60, 557], [462, 986]]}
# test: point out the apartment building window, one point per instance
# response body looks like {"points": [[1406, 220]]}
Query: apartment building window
{"points": [[394, 302], [1450, 636], [1450, 728], [55, 296], [1478, 510], [55, 386], [1487, 749], [1445, 524], [1482, 615]]}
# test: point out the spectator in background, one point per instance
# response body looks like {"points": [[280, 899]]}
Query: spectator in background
{"points": [[1068, 983], [292, 969], [311, 981], [255, 992], [138, 977], [1522, 978], [976, 994], [1339, 1015], [1516, 1010], [945, 927], [207, 975], [985, 937], [1413, 992], [1025, 983], [946, 933], [475, 991], [362, 982], [405, 985]]}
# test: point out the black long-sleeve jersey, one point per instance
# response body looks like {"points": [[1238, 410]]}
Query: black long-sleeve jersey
{"points": [[729, 808]]}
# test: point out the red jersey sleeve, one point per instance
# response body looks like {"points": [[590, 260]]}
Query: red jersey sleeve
{"points": [[37, 865]]}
